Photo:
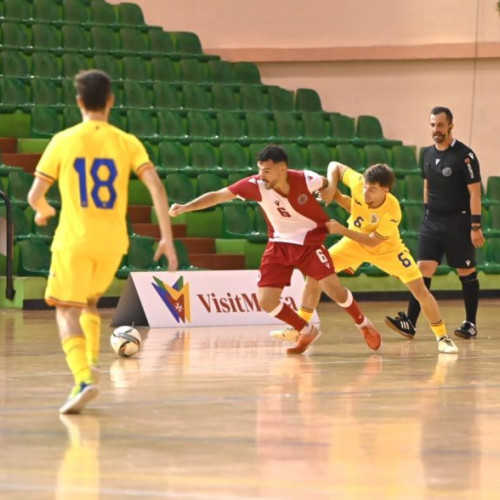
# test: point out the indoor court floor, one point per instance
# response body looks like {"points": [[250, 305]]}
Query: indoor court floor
{"points": [[222, 413]]}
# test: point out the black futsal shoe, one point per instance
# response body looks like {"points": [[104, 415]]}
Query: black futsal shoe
{"points": [[467, 330], [401, 324]]}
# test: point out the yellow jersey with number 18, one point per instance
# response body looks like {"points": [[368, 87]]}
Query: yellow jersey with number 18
{"points": [[92, 162], [383, 220]]}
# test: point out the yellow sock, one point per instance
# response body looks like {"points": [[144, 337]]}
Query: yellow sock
{"points": [[91, 326], [74, 348], [305, 313], [439, 329]]}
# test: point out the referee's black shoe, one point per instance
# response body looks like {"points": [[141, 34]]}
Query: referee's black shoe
{"points": [[466, 330], [401, 324]]}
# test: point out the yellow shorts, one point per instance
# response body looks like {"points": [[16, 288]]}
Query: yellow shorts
{"points": [[76, 277], [348, 254]]}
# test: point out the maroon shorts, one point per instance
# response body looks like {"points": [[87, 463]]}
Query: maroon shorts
{"points": [[280, 259]]}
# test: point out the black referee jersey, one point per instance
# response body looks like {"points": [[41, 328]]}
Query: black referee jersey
{"points": [[448, 174]]}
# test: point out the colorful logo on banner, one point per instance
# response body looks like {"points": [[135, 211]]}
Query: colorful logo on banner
{"points": [[176, 298]]}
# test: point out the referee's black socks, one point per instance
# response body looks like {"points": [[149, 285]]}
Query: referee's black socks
{"points": [[470, 287]]}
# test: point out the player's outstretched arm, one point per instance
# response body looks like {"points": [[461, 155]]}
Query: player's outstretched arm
{"points": [[160, 202], [343, 200], [38, 202], [206, 200], [334, 174]]}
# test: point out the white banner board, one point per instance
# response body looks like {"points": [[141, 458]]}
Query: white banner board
{"points": [[198, 298]]}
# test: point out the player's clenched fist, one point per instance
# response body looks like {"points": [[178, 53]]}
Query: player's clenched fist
{"points": [[176, 209]]}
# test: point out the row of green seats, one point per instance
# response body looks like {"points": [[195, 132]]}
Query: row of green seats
{"points": [[133, 67], [95, 39], [75, 11]]}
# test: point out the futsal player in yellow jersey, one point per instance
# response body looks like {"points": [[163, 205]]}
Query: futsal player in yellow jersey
{"points": [[372, 236], [92, 162]]}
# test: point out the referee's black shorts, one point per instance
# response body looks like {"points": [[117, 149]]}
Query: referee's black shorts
{"points": [[447, 235]]}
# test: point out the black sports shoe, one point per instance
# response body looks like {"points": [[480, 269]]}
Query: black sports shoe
{"points": [[401, 324], [467, 330]]}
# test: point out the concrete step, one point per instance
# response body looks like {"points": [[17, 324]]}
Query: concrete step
{"points": [[8, 144], [153, 230], [28, 161], [218, 261], [139, 213], [198, 245]]}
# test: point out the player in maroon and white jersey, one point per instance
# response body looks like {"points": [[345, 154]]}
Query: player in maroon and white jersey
{"points": [[297, 231]]}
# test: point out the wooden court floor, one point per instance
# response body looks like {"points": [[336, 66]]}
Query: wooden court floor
{"points": [[223, 413]]}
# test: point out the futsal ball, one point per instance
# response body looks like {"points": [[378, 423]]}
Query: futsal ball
{"points": [[125, 341]]}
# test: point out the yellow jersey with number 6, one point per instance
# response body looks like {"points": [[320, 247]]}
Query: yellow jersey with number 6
{"points": [[92, 162], [383, 220]]}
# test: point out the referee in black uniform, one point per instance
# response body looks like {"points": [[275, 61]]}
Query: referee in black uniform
{"points": [[452, 221]]}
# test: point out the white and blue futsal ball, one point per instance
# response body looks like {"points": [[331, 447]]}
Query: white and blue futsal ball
{"points": [[125, 341]]}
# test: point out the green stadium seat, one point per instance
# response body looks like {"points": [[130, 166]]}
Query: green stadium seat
{"points": [[492, 221], [130, 13], [253, 150], [172, 125], [280, 99], [369, 131], [47, 11], [46, 36], [237, 221], [404, 161], [342, 128], [45, 121], [316, 128], [136, 68], [492, 196], [203, 158], [200, 126], [195, 97], [375, 153], [140, 257], [296, 156], [414, 189], [164, 69], [230, 126], [138, 193], [252, 98], [141, 123], [15, 35], [172, 157], [15, 64], [45, 65], [320, 155], [399, 190], [351, 156], [117, 119], [224, 97], [308, 101], [103, 13], [104, 39], [220, 72], [207, 182], [247, 73], [412, 219], [136, 95], [68, 92], [179, 188], [492, 251], [34, 258], [19, 184], [45, 92], [76, 12], [160, 41], [14, 94], [111, 65], [22, 228], [192, 71], [234, 159], [133, 41], [73, 63], [71, 116], [261, 230], [166, 96], [20, 10], [287, 126], [259, 127], [186, 42], [182, 257]]}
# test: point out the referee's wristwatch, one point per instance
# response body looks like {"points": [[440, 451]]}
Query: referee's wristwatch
{"points": [[475, 227]]}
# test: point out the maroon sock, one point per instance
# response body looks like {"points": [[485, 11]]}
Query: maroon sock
{"points": [[289, 316], [355, 312]]}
